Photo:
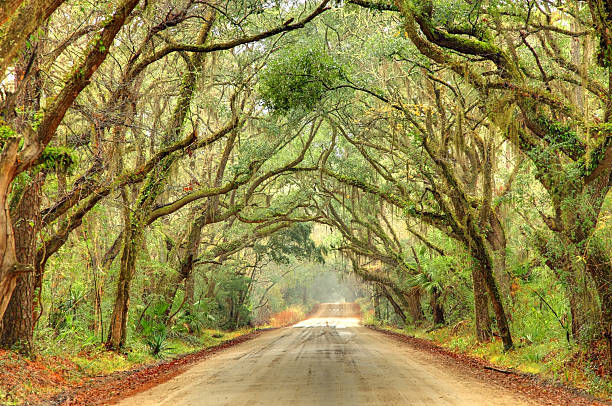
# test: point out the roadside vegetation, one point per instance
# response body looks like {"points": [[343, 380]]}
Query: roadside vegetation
{"points": [[552, 362], [64, 364]]}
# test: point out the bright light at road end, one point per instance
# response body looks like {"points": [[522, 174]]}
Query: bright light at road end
{"points": [[332, 322]]}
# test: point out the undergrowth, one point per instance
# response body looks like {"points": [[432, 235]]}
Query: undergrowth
{"points": [[66, 360], [287, 317]]}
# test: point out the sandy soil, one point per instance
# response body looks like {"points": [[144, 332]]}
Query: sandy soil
{"points": [[326, 360]]}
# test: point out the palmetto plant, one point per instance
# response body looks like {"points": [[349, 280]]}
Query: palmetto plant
{"points": [[425, 280], [157, 342]]}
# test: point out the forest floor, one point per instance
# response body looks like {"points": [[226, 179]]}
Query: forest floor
{"points": [[60, 376], [550, 366]]}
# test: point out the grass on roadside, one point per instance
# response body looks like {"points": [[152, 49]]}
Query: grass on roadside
{"points": [[65, 362]]}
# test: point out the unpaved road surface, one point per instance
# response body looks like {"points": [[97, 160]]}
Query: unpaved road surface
{"points": [[326, 360]]}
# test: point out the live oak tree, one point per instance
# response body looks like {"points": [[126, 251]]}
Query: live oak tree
{"points": [[511, 54], [90, 189], [15, 159]]}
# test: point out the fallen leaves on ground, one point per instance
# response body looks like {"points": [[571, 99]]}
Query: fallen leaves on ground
{"points": [[53, 380]]}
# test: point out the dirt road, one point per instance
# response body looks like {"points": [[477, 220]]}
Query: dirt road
{"points": [[326, 360]]}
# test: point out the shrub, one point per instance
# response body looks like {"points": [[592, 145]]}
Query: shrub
{"points": [[157, 342], [287, 317]]}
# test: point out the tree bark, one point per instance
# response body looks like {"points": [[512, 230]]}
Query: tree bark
{"points": [[190, 289], [10, 163], [117, 333], [376, 302], [598, 265], [481, 309], [436, 308], [9, 267], [582, 301], [496, 237], [19, 19], [153, 187], [413, 300], [583, 305], [210, 289], [498, 308], [18, 319]]}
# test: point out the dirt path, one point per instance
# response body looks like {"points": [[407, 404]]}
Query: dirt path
{"points": [[326, 360]]}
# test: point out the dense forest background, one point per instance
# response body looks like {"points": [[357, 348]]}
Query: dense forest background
{"points": [[168, 167]]}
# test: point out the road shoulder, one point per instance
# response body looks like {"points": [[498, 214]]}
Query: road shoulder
{"points": [[529, 385]]}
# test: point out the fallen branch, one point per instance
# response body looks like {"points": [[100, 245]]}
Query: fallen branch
{"points": [[503, 371]]}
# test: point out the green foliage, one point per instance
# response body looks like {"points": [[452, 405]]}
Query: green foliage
{"points": [[383, 47], [21, 182], [62, 317], [388, 185], [561, 135], [453, 13], [540, 308], [157, 342], [597, 153], [460, 343], [193, 318], [292, 244], [299, 77], [232, 311], [6, 132], [434, 273], [57, 159], [153, 319], [153, 329]]}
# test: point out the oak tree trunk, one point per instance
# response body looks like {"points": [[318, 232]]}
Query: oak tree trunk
{"points": [[413, 299], [376, 302], [117, 333], [190, 289], [481, 309], [598, 265], [436, 308], [583, 304], [498, 309], [9, 267], [18, 319]]}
